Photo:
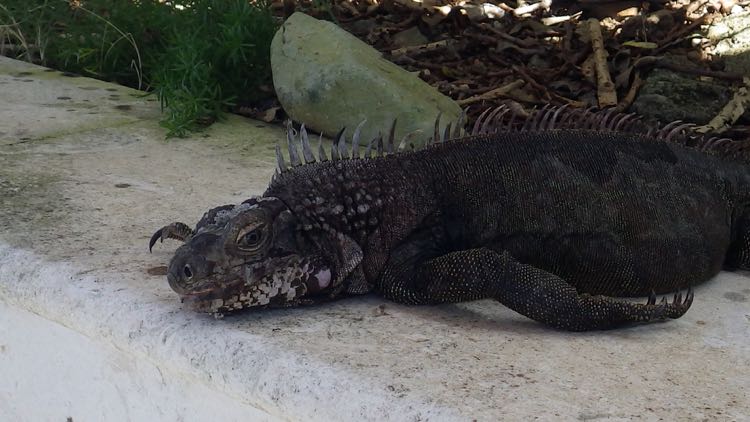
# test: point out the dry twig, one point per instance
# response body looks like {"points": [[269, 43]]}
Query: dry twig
{"points": [[424, 48], [542, 89], [605, 87], [493, 94], [632, 92], [731, 112]]}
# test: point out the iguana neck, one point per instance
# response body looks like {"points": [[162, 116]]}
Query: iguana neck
{"points": [[357, 197]]}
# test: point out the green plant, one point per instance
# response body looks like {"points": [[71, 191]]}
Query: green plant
{"points": [[98, 38], [223, 60], [24, 29], [199, 56]]}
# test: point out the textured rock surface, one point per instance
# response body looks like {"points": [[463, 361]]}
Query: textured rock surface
{"points": [[732, 37], [81, 194], [329, 79], [668, 96]]}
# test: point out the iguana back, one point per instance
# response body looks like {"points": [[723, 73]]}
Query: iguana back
{"points": [[612, 213]]}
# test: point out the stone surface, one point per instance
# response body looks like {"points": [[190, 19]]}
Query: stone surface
{"points": [[59, 372], [81, 296], [732, 37], [329, 79], [409, 37], [668, 96]]}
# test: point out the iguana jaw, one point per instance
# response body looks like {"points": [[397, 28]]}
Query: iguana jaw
{"points": [[275, 282]]}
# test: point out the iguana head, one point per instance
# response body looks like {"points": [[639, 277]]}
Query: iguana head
{"points": [[251, 254]]}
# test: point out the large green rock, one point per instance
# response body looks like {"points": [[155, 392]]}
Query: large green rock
{"points": [[328, 79]]}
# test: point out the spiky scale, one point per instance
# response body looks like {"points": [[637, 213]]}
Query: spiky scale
{"points": [[446, 133], [479, 121], [306, 149], [294, 159], [373, 144], [335, 145], [355, 139], [280, 164], [457, 131], [321, 150], [341, 143], [391, 136], [436, 129]]}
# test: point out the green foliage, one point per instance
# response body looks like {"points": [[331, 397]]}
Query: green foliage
{"points": [[199, 56], [104, 39], [224, 59], [26, 27]]}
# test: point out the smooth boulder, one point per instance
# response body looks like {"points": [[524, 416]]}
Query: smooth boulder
{"points": [[328, 79]]}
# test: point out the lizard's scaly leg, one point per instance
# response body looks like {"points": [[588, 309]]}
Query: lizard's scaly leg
{"points": [[738, 255], [177, 230], [182, 232], [412, 276]]}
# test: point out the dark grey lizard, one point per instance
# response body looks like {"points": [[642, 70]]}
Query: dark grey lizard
{"points": [[554, 219]]}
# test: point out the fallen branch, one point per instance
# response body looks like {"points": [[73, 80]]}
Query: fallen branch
{"points": [[493, 94], [606, 93], [424, 48], [554, 20], [632, 92], [412, 5], [529, 8], [508, 37], [731, 112], [541, 88], [677, 37], [406, 60]]}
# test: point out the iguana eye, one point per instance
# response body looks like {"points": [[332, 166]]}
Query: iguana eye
{"points": [[250, 238]]}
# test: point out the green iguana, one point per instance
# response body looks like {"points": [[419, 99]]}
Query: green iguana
{"points": [[553, 219]]}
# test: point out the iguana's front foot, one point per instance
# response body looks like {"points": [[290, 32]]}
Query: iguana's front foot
{"points": [[177, 230]]}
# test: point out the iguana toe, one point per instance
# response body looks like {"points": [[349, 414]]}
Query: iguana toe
{"points": [[674, 309]]}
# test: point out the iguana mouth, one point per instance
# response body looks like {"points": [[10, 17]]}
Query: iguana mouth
{"points": [[265, 283], [212, 295], [206, 293], [210, 287]]}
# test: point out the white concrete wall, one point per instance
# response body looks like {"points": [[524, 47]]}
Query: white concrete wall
{"points": [[51, 372]]}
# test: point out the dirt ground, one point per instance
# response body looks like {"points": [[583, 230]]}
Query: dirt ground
{"points": [[585, 53]]}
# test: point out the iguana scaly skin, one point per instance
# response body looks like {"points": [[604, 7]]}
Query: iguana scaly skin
{"points": [[554, 220]]}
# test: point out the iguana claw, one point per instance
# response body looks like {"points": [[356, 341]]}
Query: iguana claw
{"points": [[178, 231], [676, 308]]}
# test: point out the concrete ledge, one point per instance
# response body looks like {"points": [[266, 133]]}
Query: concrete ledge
{"points": [[81, 300], [57, 371]]}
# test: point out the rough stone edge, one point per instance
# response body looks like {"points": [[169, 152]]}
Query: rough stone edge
{"points": [[64, 294], [60, 293]]}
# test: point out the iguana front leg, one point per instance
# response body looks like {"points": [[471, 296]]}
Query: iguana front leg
{"points": [[183, 232], [178, 231], [412, 276]]}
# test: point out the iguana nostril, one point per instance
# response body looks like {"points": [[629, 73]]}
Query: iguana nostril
{"points": [[188, 272]]}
